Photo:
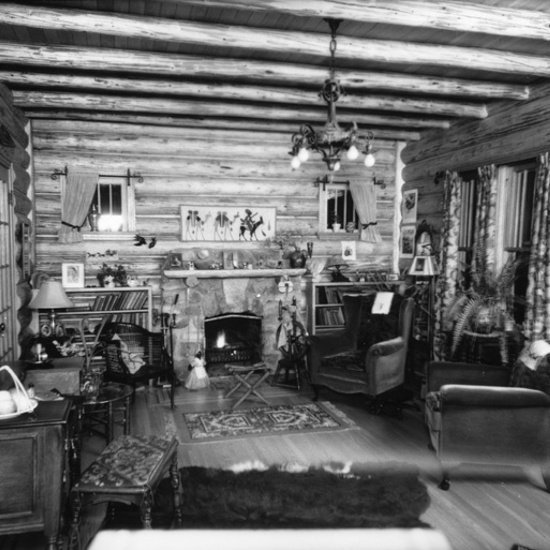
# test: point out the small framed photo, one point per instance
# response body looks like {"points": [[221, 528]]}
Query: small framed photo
{"points": [[349, 251], [72, 275], [406, 248], [409, 206]]}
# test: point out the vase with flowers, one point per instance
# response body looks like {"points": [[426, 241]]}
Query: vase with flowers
{"points": [[110, 276]]}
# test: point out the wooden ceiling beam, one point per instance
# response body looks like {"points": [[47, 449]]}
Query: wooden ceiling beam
{"points": [[130, 61], [65, 119], [355, 49], [285, 96], [100, 102], [448, 15]]}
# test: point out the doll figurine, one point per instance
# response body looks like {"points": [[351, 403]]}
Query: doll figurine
{"points": [[197, 377]]}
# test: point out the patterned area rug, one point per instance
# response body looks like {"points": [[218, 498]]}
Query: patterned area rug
{"points": [[308, 417]]}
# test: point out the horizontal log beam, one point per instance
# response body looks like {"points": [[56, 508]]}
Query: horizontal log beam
{"points": [[315, 44], [121, 61], [152, 122], [449, 15], [286, 96], [116, 163], [56, 100]]}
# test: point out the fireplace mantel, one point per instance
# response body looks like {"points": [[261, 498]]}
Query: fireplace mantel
{"points": [[231, 273]]}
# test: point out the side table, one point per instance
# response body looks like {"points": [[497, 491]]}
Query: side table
{"points": [[113, 398]]}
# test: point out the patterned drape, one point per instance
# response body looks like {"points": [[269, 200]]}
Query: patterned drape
{"points": [[364, 198], [77, 194], [537, 323], [448, 258], [485, 220]]}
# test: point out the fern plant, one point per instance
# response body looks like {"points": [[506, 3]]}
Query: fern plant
{"points": [[483, 304]]}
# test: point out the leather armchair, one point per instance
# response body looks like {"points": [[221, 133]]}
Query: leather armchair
{"points": [[475, 416], [368, 355]]}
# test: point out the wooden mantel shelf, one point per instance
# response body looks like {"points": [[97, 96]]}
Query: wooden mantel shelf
{"points": [[231, 273]]}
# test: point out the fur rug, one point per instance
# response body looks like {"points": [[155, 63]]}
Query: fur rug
{"points": [[333, 496]]}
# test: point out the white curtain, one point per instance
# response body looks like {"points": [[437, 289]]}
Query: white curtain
{"points": [[364, 198], [78, 188]]}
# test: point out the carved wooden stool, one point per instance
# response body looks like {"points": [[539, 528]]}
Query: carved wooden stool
{"points": [[129, 471], [249, 377]]}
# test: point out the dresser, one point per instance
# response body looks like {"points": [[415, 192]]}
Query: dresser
{"points": [[34, 470]]}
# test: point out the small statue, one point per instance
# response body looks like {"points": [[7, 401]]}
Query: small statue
{"points": [[197, 378]]}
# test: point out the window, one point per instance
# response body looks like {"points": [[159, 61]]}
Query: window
{"points": [[337, 207], [514, 218], [114, 199]]}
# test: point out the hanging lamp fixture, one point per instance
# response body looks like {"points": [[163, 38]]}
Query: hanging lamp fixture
{"points": [[332, 141]]}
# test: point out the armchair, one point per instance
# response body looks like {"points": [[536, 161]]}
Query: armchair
{"points": [[368, 355], [133, 355], [474, 415]]}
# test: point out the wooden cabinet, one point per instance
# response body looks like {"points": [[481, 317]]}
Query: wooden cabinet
{"points": [[325, 309], [129, 304], [34, 470]]}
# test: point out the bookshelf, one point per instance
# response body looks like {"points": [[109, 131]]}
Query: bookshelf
{"points": [[128, 304], [325, 310]]}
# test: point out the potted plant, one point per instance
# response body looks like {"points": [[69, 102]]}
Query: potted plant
{"points": [[482, 306]]}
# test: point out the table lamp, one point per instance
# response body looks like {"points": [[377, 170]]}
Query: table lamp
{"points": [[51, 296], [335, 264]]}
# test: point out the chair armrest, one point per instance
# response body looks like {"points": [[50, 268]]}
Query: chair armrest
{"points": [[439, 373], [491, 396], [388, 347]]}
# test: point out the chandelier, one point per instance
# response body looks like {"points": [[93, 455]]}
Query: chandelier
{"points": [[332, 141]]}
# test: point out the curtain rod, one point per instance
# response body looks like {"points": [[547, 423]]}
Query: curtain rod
{"points": [[57, 172]]}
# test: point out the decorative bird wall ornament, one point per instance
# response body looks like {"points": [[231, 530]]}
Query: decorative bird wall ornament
{"points": [[141, 241]]}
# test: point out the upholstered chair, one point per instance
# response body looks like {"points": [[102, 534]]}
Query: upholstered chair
{"points": [[368, 355], [489, 414]]}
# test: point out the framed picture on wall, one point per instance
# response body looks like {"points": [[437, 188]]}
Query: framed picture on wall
{"points": [[72, 275], [408, 206], [407, 241], [227, 223]]}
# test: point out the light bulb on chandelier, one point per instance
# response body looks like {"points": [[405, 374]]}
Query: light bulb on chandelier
{"points": [[332, 141]]}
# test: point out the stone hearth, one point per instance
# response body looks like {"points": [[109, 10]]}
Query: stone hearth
{"points": [[191, 296]]}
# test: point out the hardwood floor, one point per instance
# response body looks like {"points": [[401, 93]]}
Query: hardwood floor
{"points": [[486, 508]]}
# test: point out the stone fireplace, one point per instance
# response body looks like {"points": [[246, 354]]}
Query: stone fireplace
{"points": [[247, 301]]}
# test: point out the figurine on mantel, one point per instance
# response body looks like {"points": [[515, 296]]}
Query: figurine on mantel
{"points": [[197, 379]]}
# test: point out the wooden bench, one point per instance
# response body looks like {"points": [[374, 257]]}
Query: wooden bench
{"points": [[129, 471]]}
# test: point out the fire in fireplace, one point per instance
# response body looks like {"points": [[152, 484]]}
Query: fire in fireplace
{"points": [[233, 337]]}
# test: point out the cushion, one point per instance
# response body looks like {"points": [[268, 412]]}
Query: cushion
{"points": [[132, 359], [532, 367]]}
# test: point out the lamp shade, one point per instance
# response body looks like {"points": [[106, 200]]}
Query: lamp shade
{"points": [[423, 266], [51, 296]]}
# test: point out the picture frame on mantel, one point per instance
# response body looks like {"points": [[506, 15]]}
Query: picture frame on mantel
{"points": [[227, 223]]}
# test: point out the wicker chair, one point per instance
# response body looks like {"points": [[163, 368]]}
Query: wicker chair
{"points": [[133, 356]]}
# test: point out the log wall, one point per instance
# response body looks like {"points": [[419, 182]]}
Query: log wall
{"points": [[186, 166], [14, 155], [513, 131]]}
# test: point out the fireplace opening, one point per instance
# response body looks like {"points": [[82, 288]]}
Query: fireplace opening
{"points": [[233, 337]]}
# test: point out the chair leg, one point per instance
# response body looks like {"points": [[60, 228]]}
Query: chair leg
{"points": [[176, 482], [315, 392]]}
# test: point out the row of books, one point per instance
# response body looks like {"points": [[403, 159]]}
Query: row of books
{"points": [[329, 316], [124, 301], [328, 295]]}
